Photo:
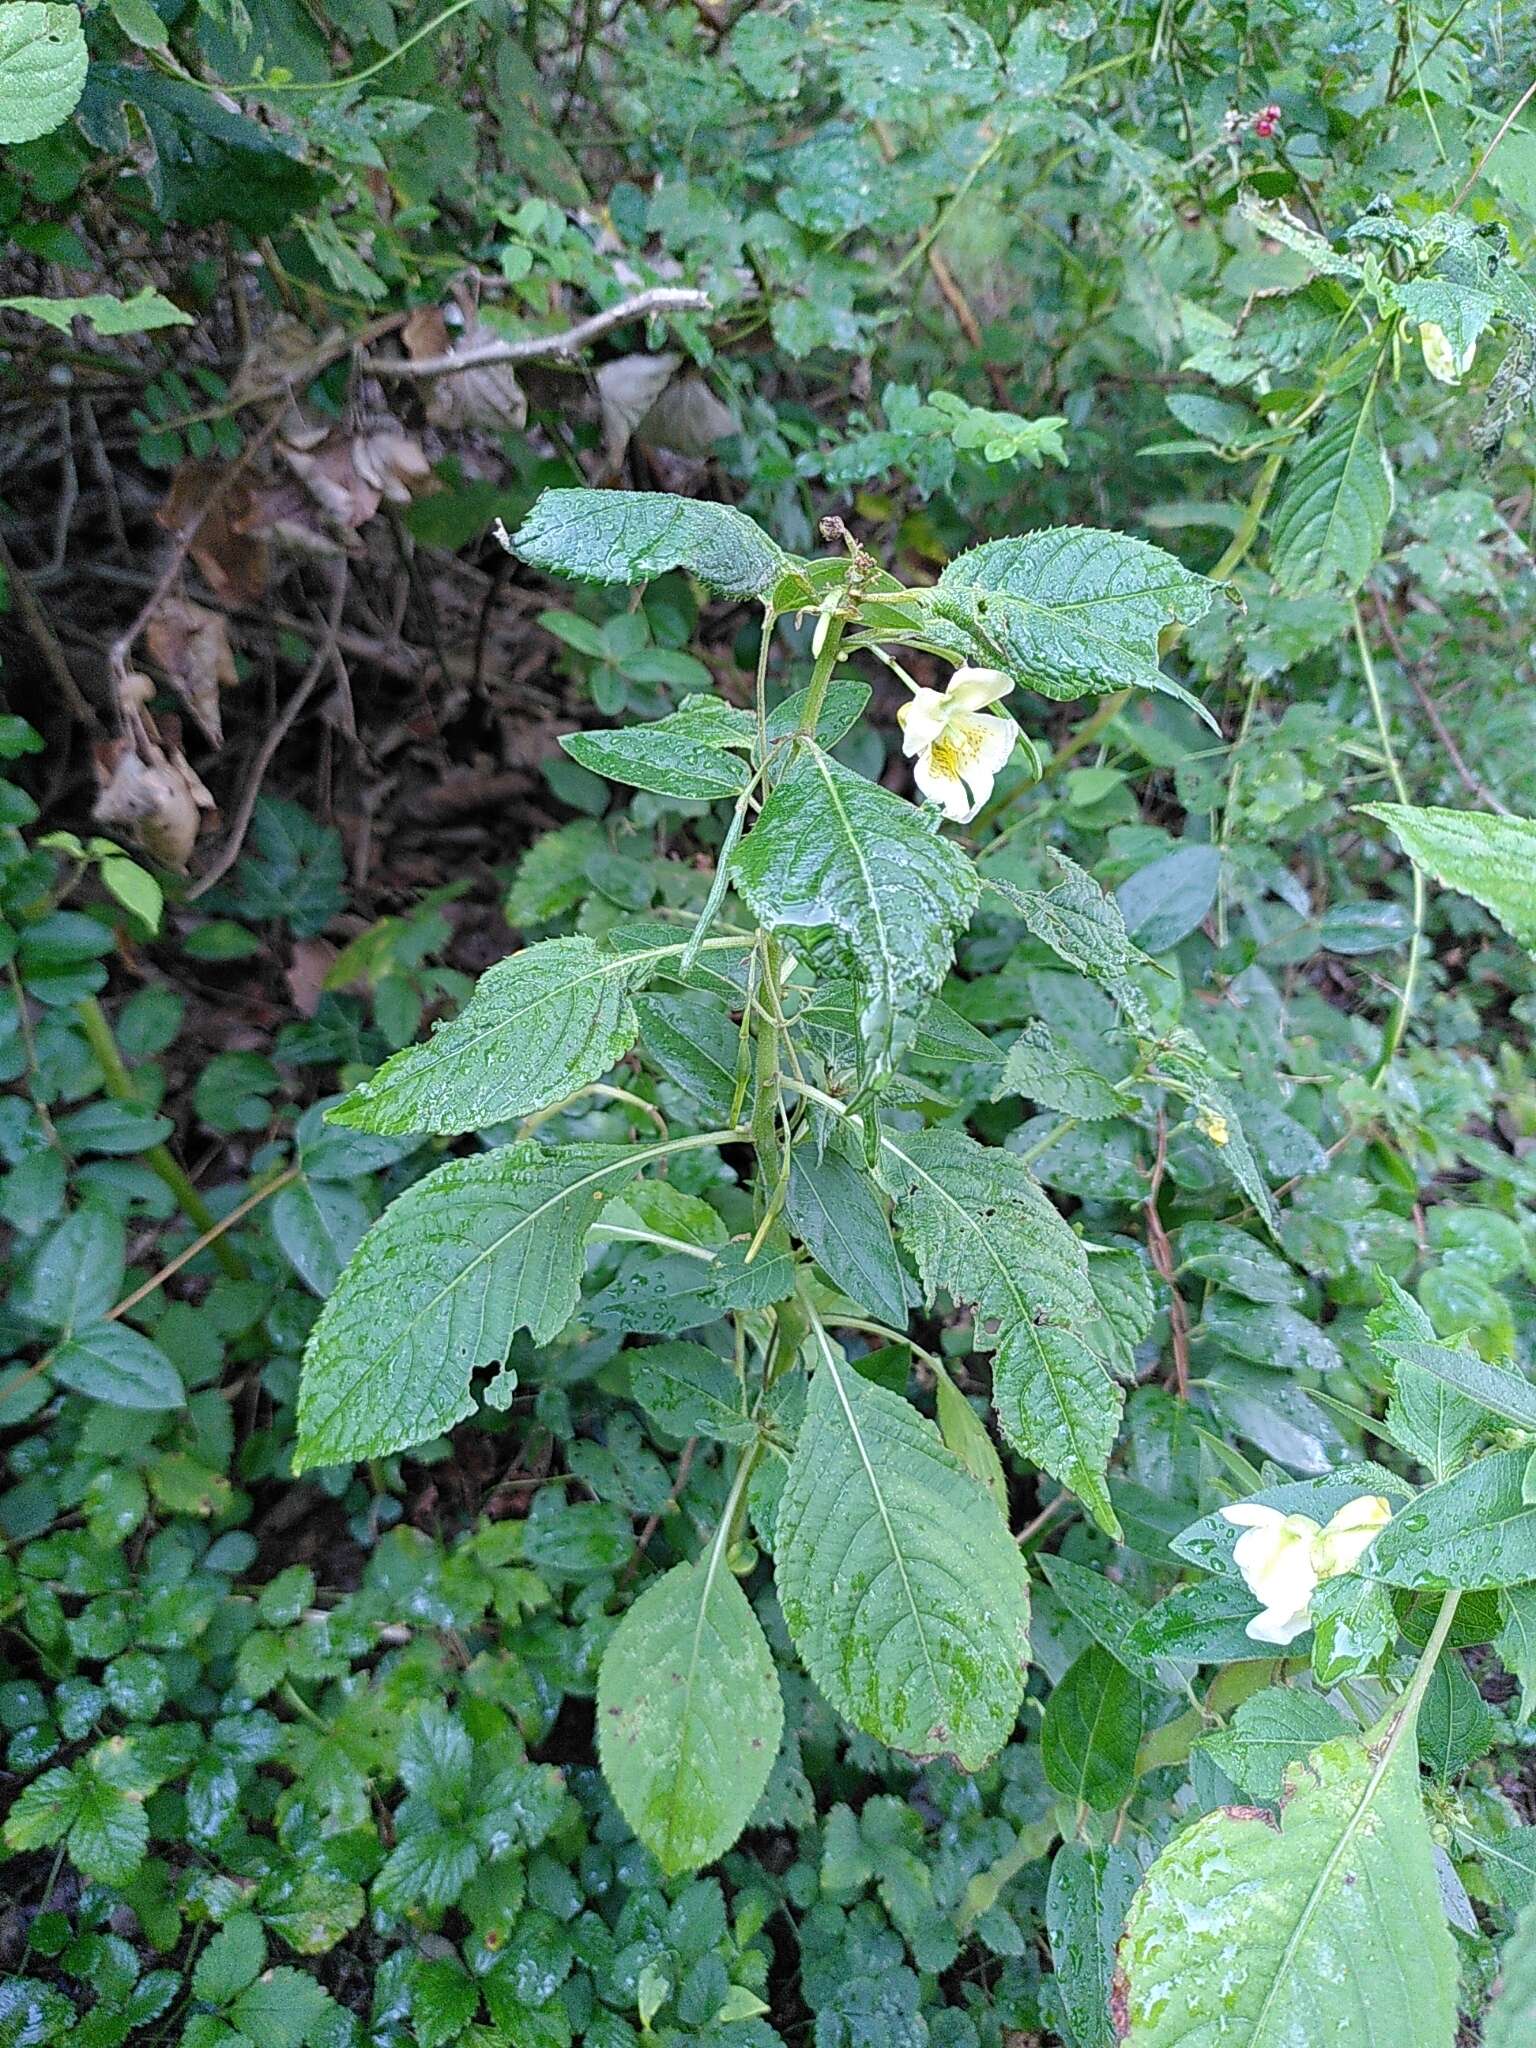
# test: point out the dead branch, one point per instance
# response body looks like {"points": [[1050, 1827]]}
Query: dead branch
{"points": [[660, 298]]}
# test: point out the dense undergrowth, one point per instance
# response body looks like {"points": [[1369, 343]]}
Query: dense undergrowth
{"points": [[941, 1212]]}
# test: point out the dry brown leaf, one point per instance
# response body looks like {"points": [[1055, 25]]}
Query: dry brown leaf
{"points": [[149, 787], [230, 554], [688, 419], [191, 644], [486, 397], [308, 965], [349, 477], [627, 388]]}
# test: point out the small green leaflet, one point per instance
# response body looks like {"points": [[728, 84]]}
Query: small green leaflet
{"points": [[1474, 1529], [630, 536], [1430, 1419], [1269, 1731], [453, 1269], [43, 64], [833, 853], [690, 1392], [111, 1362], [538, 1027], [688, 1713], [979, 1226], [1489, 858], [147, 309], [1070, 611], [1329, 1919], [1044, 1067], [1332, 519], [1083, 927], [882, 1539], [665, 761]]}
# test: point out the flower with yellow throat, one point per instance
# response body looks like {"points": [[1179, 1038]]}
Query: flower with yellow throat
{"points": [[957, 748]]}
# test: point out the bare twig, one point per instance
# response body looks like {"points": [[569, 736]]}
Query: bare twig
{"points": [[660, 298], [653, 1523], [1471, 781], [201, 1244], [46, 641], [121, 649], [1505, 125], [322, 659]]}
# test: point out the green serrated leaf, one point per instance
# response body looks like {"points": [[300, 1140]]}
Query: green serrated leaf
{"points": [[1473, 1529], [979, 1227], [882, 1539], [111, 1362], [1332, 518], [1511, 2018], [1268, 1732], [1489, 858], [629, 536], [834, 854], [1069, 612], [1328, 1921], [539, 1026], [43, 64], [690, 1392], [835, 1211], [1092, 1730], [453, 1269], [689, 1713]]}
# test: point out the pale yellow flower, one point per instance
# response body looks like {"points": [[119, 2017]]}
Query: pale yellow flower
{"points": [[956, 747], [1284, 1558], [1444, 363]]}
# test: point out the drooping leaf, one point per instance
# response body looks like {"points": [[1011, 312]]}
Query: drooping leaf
{"points": [[453, 1269], [1325, 1925], [1084, 1912], [1332, 518], [834, 1210], [42, 67], [1083, 927], [882, 1539], [630, 536], [688, 1713], [661, 1295], [539, 1026], [1489, 858], [1070, 611], [833, 854], [1092, 1730], [979, 1227], [1045, 1068], [1493, 1387]]}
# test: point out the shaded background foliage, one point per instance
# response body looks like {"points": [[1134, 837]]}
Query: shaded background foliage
{"points": [[307, 1759]]}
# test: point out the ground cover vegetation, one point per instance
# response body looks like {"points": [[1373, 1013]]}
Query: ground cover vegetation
{"points": [[768, 894]]}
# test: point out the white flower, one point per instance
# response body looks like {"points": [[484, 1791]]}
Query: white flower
{"points": [[1284, 1558], [1274, 1555], [1446, 364], [958, 749]]}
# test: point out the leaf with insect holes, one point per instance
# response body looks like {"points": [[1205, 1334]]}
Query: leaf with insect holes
{"points": [[1325, 1925], [688, 1713], [630, 536], [883, 1540], [979, 1227], [1071, 611], [1481, 855], [844, 859], [454, 1267]]}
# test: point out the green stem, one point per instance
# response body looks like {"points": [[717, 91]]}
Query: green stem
{"points": [[265, 86], [1399, 1022], [821, 676], [1409, 1704], [119, 1085]]}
